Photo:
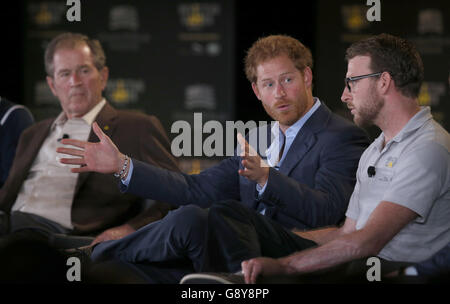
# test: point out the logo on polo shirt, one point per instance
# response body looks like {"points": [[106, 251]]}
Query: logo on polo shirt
{"points": [[390, 161]]}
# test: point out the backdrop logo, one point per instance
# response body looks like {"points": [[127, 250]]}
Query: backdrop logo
{"points": [[47, 13], [123, 17], [431, 92], [124, 91], [430, 22], [200, 96], [198, 15], [354, 17]]}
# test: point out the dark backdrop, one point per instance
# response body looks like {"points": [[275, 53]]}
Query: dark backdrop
{"points": [[252, 20], [322, 25]]}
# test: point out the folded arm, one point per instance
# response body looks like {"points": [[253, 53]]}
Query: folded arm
{"points": [[350, 244]]}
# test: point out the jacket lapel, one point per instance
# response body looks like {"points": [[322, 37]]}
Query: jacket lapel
{"points": [[305, 139], [33, 148], [37, 142], [106, 121]]}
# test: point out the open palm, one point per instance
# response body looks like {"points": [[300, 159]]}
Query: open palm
{"points": [[102, 157]]}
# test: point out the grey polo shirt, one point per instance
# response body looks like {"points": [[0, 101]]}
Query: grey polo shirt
{"points": [[412, 170]]}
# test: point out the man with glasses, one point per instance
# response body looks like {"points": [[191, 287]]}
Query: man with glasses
{"points": [[399, 210]]}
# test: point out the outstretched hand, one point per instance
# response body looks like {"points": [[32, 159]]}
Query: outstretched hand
{"points": [[102, 157], [255, 168]]}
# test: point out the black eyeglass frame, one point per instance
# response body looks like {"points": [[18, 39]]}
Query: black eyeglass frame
{"points": [[354, 78]]}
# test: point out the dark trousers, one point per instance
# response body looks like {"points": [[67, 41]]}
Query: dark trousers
{"points": [[18, 221], [27, 249], [165, 250], [218, 239], [237, 233], [116, 271], [34, 227]]}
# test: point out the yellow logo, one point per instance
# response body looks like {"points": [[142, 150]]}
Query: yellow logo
{"points": [[195, 18], [120, 94], [424, 95], [354, 17], [43, 16], [390, 162], [198, 15]]}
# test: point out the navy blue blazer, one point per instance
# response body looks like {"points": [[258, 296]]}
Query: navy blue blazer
{"points": [[311, 189], [11, 127]]}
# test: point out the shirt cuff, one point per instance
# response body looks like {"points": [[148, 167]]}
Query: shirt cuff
{"points": [[411, 271], [261, 189]]}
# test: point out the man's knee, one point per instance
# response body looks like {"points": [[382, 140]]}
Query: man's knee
{"points": [[189, 218], [229, 208]]}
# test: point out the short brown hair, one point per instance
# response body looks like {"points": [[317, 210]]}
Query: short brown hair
{"points": [[394, 55], [71, 40], [275, 45]]}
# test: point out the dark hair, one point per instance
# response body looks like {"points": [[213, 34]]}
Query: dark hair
{"points": [[394, 55], [71, 40], [275, 45]]}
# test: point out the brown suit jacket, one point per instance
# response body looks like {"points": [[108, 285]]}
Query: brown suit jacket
{"points": [[98, 203]]}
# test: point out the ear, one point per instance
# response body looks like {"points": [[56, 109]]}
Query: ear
{"points": [[385, 82], [51, 84], [255, 90], [307, 77], [104, 75]]}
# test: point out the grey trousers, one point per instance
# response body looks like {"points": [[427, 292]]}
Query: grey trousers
{"points": [[31, 226]]}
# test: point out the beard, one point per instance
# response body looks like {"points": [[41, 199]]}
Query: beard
{"points": [[287, 118], [369, 111]]}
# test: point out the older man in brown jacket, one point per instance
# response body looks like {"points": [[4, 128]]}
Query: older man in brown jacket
{"points": [[42, 195]]}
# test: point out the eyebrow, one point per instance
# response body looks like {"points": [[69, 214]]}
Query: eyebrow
{"points": [[83, 66], [282, 74], [62, 71], [76, 68]]}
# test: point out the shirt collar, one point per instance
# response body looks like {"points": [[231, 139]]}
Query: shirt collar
{"points": [[291, 133], [413, 124], [89, 117]]}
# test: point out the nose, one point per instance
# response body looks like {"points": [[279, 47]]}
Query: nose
{"points": [[279, 91], [74, 79], [346, 96]]}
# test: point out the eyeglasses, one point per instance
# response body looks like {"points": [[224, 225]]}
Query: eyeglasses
{"points": [[350, 79]]}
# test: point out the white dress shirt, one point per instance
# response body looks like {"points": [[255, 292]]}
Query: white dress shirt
{"points": [[50, 186]]}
